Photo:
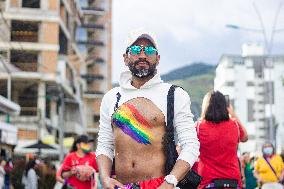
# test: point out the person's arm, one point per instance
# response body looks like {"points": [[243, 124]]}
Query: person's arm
{"points": [[105, 147], [242, 129], [58, 175], [67, 170], [186, 135]]}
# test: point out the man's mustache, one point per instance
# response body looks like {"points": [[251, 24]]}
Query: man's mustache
{"points": [[141, 60]]}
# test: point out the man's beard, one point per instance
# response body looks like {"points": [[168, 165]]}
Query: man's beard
{"points": [[142, 72]]}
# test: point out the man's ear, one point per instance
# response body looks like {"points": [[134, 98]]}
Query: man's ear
{"points": [[126, 59], [158, 59]]}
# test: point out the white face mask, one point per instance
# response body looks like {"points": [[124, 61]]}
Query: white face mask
{"points": [[268, 150]]}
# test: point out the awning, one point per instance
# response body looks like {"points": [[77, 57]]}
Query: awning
{"points": [[8, 106], [21, 148], [8, 133]]}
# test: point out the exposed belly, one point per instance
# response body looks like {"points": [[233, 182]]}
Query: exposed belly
{"points": [[136, 162], [139, 127]]}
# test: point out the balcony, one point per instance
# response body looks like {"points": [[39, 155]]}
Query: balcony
{"points": [[27, 67], [93, 10], [90, 42], [25, 60], [92, 61], [93, 26], [92, 77]]}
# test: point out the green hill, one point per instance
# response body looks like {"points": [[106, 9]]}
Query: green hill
{"points": [[196, 84], [194, 69]]}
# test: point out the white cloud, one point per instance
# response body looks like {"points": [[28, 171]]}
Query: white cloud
{"points": [[196, 29]]}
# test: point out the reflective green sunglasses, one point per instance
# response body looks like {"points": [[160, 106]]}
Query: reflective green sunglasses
{"points": [[136, 50]]}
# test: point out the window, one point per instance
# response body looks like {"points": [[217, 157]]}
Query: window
{"points": [[63, 43], [269, 92], [250, 110], [3, 54], [24, 31], [250, 83], [3, 88], [31, 3], [81, 35], [230, 83], [96, 118]]}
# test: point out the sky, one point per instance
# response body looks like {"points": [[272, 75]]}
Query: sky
{"points": [[190, 31]]}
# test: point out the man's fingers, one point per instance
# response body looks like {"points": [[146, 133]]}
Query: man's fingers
{"points": [[118, 184], [114, 184]]}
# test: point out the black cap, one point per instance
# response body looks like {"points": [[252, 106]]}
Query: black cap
{"points": [[84, 139]]}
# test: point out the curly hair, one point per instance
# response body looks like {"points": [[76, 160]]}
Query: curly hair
{"points": [[216, 109]]}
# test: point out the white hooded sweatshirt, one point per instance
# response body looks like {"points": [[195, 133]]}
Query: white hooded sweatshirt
{"points": [[156, 91]]}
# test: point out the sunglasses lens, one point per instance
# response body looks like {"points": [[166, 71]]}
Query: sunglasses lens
{"points": [[135, 50], [150, 50]]}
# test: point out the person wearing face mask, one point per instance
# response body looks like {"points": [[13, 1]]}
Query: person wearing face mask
{"points": [[79, 166], [269, 169]]}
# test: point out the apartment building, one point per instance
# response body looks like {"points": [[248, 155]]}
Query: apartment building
{"points": [[249, 79], [60, 66], [96, 38]]}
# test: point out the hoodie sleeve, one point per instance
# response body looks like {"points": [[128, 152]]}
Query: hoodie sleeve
{"points": [[185, 128], [105, 139]]}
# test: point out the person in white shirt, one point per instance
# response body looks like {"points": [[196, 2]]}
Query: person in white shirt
{"points": [[133, 121], [30, 178]]}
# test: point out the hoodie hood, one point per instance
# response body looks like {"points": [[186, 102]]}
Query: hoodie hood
{"points": [[126, 76]]}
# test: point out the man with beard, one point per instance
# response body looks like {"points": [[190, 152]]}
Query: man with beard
{"points": [[133, 120]]}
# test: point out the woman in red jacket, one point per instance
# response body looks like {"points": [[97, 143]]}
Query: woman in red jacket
{"points": [[219, 132]]}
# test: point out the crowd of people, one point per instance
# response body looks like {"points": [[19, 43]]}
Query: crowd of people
{"points": [[148, 139]]}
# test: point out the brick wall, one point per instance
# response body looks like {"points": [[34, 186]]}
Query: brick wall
{"points": [[14, 3], [50, 32], [24, 134], [48, 61], [53, 5]]}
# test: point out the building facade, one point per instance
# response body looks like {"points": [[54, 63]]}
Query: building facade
{"points": [[255, 85], [46, 44]]}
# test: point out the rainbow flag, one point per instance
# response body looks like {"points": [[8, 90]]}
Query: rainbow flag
{"points": [[132, 123]]}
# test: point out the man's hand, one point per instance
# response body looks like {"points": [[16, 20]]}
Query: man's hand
{"points": [[110, 183], [166, 185]]}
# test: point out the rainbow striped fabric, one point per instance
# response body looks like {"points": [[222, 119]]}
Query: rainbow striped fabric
{"points": [[132, 123]]}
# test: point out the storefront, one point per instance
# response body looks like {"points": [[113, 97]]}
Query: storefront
{"points": [[8, 132]]}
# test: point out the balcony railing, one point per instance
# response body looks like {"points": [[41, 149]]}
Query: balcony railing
{"points": [[93, 43], [93, 26], [92, 77], [94, 92], [91, 62], [92, 9]]}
